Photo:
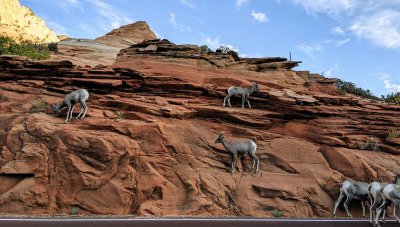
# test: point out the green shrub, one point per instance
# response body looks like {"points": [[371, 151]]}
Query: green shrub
{"points": [[25, 48], [38, 106], [119, 115], [348, 87], [223, 49], [205, 49], [393, 98], [53, 47], [229, 51], [392, 133], [234, 54], [341, 92], [74, 211], [277, 213]]}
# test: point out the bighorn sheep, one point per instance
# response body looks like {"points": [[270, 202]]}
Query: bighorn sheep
{"points": [[352, 190], [244, 92], [237, 148], [375, 194], [390, 194], [70, 99]]}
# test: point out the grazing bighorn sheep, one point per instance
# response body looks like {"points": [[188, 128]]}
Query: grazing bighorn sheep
{"points": [[390, 194], [352, 190], [244, 92], [70, 99], [237, 148]]}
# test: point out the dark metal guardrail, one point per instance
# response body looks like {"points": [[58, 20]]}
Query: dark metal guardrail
{"points": [[186, 222]]}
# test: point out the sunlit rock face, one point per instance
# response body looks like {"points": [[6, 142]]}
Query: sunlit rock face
{"points": [[146, 146], [102, 50], [128, 35], [20, 23]]}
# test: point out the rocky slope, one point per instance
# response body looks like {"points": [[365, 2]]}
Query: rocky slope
{"points": [[161, 159], [128, 35], [20, 23], [103, 50], [85, 52]]}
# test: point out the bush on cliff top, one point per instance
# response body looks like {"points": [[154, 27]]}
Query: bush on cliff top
{"points": [[348, 87], [229, 51], [221, 50], [393, 98], [25, 48], [205, 49]]}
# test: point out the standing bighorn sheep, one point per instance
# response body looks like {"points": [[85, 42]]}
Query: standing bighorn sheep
{"points": [[244, 92], [70, 99], [352, 190], [390, 194], [237, 148], [375, 194]]}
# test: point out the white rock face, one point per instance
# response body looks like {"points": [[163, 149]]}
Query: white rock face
{"points": [[20, 23]]}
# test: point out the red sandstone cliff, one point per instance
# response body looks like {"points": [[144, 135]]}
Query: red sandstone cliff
{"points": [[161, 159]]}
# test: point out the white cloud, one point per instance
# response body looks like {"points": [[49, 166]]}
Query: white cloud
{"points": [[374, 20], [115, 24], [93, 31], [215, 43], [327, 73], [68, 4], [115, 17], [337, 31], [86, 28], [311, 50], [333, 8], [342, 42], [58, 28], [260, 17], [389, 85], [188, 4], [327, 41], [382, 28], [337, 67], [180, 27], [240, 3], [73, 2], [384, 76]]}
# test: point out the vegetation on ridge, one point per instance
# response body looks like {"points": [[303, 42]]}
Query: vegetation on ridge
{"points": [[393, 98], [348, 87], [205, 49], [24, 48], [221, 50]]}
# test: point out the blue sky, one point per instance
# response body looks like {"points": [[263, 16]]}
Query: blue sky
{"points": [[354, 40]]}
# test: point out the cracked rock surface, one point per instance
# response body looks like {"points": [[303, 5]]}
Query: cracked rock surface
{"points": [[157, 156]]}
